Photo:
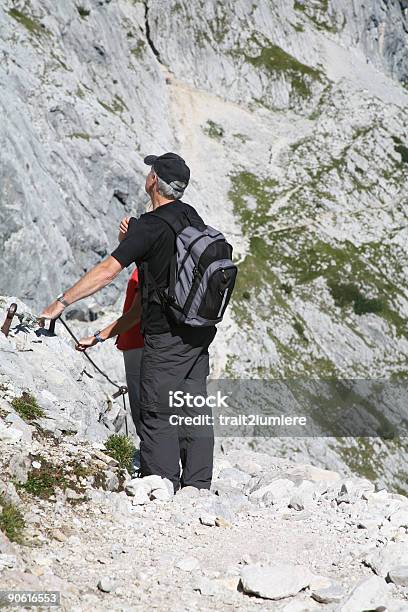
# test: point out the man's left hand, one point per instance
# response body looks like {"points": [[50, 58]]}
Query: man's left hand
{"points": [[53, 311]]}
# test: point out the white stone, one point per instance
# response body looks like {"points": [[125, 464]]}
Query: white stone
{"points": [[391, 555], [208, 519], [368, 594], [399, 575], [275, 582], [188, 564], [106, 585]]}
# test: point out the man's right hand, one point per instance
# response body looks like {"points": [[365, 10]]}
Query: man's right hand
{"points": [[123, 228]]}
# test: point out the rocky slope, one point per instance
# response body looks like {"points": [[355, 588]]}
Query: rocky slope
{"points": [[272, 533]]}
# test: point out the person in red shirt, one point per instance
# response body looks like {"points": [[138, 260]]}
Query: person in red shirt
{"points": [[129, 337]]}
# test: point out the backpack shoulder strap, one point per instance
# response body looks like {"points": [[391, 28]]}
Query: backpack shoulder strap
{"points": [[179, 221]]}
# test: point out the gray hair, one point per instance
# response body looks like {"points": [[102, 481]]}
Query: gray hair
{"points": [[173, 190]]}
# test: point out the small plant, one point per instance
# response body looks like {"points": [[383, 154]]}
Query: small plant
{"points": [[42, 483], [81, 135], [299, 329], [83, 12], [213, 130], [122, 449], [139, 49], [30, 24], [11, 521], [345, 294], [286, 288], [27, 407]]}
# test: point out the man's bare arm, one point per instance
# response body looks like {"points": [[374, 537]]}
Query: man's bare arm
{"points": [[94, 280], [121, 325]]}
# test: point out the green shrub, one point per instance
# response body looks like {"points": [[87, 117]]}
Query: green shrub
{"points": [[30, 24], [27, 407], [11, 521], [43, 482], [122, 449], [213, 130], [83, 12], [346, 294]]}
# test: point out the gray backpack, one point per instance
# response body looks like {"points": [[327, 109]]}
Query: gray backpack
{"points": [[202, 274]]}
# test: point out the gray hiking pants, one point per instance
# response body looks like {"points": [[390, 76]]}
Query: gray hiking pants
{"points": [[176, 361], [133, 361]]}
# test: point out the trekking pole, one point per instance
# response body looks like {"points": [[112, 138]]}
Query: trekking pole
{"points": [[11, 311], [122, 390]]}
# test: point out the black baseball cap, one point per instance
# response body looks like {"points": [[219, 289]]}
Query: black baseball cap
{"points": [[169, 167]]}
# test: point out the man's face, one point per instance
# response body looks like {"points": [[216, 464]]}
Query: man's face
{"points": [[151, 181]]}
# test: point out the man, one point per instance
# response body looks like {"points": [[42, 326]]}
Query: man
{"points": [[174, 358]]}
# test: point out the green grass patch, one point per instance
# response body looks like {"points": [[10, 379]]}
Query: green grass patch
{"points": [[139, 49], [274, 60], [27, 407], [349, 294], [81, 135], [83, 12], [80, 92], [401, 149], [116, 107], [43, 481], [30, 24], [11, 521], [317, 13], [299, 329], [122, 449], [213, 130]]}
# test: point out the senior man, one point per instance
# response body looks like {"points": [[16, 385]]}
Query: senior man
{"points": [[175, 357]]}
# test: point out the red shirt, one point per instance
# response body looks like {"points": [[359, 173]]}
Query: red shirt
{"points": [[132, 338]]}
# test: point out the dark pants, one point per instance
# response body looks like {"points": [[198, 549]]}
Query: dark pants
{"points": [[176, 361]]}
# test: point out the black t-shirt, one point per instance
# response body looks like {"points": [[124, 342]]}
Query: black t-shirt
{"points": [[151, 240]]}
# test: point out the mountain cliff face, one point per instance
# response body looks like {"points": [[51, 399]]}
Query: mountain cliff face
{"points": [[292, 116]]}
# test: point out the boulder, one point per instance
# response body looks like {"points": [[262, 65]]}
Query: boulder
{"points": [[188, 564], [393, 554], [275, 582], [399, 575], [368, 594], [333, 593]]}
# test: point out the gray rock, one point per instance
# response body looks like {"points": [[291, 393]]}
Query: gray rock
{"points": [[399, 575], [275, 492], [399, 518], [393, 554], [17, 422], [368, 594], [275, 582], [188, 564], [19, 467], [9, 434], [8, 493], [136, 485], [111, 481], [106, 584], [140, 497], [188, 493], [161, 494], [234, 476], [303, 496], [8, 561], [331, 594], [208, 519]]}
